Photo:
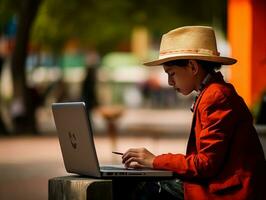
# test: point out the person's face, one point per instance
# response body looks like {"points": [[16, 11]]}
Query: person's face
{"points": [[181, 78]]}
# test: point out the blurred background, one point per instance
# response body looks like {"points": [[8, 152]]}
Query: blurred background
{"points": [[92, 51]]}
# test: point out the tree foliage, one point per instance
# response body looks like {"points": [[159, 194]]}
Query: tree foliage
{"points": [[103, 24]]}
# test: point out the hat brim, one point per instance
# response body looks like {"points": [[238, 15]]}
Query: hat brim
{"points": [[217, 59]]}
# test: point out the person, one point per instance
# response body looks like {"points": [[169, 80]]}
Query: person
{"points": [[88, 92], [89, 85], [224, 157]]}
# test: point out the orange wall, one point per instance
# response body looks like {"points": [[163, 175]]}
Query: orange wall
{"points": [[258, 49], [247, 32], [239, 34]]}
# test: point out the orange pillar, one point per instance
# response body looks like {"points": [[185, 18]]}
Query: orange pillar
{"points": [[247, 37]]}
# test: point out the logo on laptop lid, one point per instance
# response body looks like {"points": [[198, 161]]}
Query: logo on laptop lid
{"points": [[73, 139]]}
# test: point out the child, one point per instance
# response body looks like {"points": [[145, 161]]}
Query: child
{"points": [[224, 158]]}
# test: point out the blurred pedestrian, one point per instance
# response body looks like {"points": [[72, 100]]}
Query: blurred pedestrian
{"points": [[88, 90], [224, 158], [151, 89], [89, 95]]}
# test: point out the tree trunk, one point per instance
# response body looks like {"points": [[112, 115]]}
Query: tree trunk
{"points": [[3, 129], [27, 13]]}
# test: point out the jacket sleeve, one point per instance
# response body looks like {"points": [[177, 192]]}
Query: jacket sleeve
{"points": [[217, 122]]}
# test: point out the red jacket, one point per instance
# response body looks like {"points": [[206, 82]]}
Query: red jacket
{"points": [[224, 158]]}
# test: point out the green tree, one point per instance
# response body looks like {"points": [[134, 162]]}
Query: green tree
{"points": [[103, 24]]}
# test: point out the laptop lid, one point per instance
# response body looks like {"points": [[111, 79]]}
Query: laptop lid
{"points": [[77, 145], [75, 138]]}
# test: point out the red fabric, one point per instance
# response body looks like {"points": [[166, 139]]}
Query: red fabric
{"points": [[224, 158]]}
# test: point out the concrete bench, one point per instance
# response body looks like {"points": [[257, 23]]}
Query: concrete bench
{"points": [[79, 188], [82, 188]]}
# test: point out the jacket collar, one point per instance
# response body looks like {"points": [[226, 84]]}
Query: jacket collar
{"points": [[210, 78]]}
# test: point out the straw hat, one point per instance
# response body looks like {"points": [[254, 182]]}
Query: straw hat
{"points": [[190, 42]]}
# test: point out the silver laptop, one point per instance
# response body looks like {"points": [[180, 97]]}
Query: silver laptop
{"points": [[75, 134]]}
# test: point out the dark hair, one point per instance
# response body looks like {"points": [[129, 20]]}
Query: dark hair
{"points": [[179, 63], [208, 66]]}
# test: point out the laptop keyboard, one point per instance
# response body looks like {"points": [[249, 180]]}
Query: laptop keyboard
{"points": [[114, 168]]}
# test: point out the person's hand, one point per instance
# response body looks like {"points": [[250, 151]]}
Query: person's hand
{"points": [[138, 158]]}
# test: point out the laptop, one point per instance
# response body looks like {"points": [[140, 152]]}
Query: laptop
{"points": [[75, 133]]}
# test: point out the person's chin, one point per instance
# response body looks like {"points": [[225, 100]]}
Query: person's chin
{"points": [[184, 92], [178, 90]]}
